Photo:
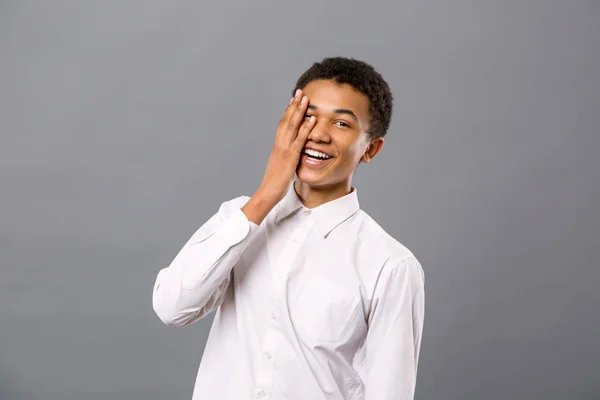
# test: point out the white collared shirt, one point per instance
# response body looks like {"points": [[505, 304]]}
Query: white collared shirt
{"points": [[312, 304]]}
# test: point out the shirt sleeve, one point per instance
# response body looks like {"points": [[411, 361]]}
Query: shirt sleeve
{"points": [[195, 282], [394, 334]]}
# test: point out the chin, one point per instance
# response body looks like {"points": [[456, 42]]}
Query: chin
{"points": [[310, 177]]}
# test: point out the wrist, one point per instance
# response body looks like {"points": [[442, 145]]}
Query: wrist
{"points": [[259, 206]]}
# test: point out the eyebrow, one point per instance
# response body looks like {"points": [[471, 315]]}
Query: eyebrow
{"points": [[337, 111]]}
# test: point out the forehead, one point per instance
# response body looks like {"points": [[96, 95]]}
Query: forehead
{"points": [[329, 95]]}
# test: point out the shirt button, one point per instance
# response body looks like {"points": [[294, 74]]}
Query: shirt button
{"points": [[261, 394], [267, 355], [273, 316], [306, 213]]}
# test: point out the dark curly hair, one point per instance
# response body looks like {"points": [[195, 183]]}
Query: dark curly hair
{"points": [[362, 77]]}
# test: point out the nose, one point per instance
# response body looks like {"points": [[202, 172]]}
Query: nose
{"points": [[319, 133]]}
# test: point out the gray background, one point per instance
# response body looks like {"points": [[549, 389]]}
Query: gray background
{"points": [[124, 125]]}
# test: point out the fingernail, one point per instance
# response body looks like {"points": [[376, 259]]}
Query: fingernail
{"points": [[298, 91]]}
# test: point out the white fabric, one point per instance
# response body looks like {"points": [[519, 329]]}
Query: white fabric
{"points": [[312, 304]]}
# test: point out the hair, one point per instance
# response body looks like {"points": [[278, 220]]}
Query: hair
{"points": [[363, 78]]}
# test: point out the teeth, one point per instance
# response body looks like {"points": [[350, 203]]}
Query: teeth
{"points": [[315, 153]]}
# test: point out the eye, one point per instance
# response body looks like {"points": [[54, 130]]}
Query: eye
{"points": [[307, 116], [342, 124]]}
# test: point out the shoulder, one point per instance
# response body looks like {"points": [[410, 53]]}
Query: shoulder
{"points": [[393, 253], [373, 234]]}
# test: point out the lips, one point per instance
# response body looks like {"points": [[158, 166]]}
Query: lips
{"points": [[316, 153], [314, 162]]}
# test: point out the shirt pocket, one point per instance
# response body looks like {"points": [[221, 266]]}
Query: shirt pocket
{"points": [[324, 310]]}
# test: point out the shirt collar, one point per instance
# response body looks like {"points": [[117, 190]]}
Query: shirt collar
{"points": [[327, 216]]}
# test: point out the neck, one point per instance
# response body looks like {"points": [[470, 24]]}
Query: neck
{"points": [[314, 196]]}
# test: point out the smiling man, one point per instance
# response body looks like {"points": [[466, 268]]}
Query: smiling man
{"points": [[314, 299]]}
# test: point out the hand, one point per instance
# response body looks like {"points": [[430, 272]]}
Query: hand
{"points": [[292, 132]]}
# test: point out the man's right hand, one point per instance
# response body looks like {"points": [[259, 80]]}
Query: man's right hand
{"points": [[292, 132]]}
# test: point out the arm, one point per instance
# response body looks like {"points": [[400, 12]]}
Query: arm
{"points": [[394, 333], [194, 283]]}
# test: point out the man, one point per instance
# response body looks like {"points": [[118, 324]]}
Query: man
{"points": [[314, 299]]}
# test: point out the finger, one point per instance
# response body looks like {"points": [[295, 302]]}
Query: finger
{"points": [[297, 118], [283, 127], [289, 111], [303, 132]]}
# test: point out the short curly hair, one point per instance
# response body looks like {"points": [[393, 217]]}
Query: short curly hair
{"points": [[362, 77]]}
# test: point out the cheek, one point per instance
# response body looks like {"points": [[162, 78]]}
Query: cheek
{"points": [[354, 151]]}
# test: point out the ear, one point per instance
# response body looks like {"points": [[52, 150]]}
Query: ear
{"points": [[373, 149]]}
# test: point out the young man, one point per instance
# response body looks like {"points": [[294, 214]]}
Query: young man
{"points": [[314, 299]]}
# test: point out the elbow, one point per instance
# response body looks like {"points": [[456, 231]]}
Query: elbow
{"points": [[174, 322], [171, 316], [168, 317], [170, 313]]}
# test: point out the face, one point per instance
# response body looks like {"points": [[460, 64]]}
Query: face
{"points": [[340, 131]]}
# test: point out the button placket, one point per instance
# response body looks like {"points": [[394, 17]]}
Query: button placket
{"points": [[290, 251], [264, 376]]}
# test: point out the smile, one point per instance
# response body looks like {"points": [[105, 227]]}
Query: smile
{"points": [[317, 155], [315, 159]]}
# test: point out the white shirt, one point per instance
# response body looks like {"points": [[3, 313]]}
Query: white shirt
{"points": [[312, 304]]}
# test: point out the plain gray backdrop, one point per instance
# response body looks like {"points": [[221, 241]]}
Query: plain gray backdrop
{"points": [[125, 124]]}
